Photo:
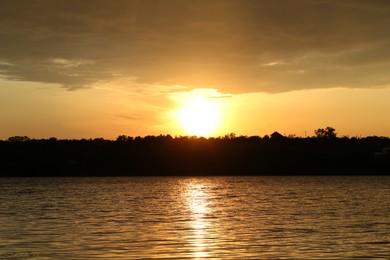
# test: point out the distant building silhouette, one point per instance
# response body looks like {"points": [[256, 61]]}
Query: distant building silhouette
{"points": [[277, 136]]}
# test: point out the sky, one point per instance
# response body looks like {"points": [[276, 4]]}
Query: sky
{"points": [[100, 68]]}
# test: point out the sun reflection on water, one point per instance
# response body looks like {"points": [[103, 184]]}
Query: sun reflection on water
{"points": [[198, 203]]}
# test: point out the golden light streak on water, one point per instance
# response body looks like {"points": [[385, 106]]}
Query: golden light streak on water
{"points": [[198, 205]]}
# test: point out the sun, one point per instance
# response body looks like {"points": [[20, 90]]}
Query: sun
{"points": [[199, 115]]}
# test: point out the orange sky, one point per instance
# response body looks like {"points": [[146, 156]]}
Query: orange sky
{"points": [[74, 69]]}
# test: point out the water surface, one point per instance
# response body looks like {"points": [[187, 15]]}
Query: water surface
{"points": [[195, 218]]}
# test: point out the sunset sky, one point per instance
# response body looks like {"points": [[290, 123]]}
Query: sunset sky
{"points": [[100, 68]]}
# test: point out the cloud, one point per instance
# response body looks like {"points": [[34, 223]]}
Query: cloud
{"points": [[222, 96], [235, 46], [273, 63]]}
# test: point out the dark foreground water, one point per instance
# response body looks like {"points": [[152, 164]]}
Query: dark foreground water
{"points": [[216, 217]]}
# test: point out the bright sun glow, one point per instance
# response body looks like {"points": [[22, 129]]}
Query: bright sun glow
{"points": [[199, 115]]}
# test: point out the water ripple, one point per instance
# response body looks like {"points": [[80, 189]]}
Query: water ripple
{"points": [[195, 218]]}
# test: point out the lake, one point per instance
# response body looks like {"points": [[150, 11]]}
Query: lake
{"points": [[195, 218]]}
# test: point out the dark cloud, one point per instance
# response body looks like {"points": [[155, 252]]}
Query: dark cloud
{"points": [[235, 46]]}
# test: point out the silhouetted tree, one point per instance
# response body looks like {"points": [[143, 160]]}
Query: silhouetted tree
{"points": [[124, 138], [18, 139], [230, 136], [327, 133]]}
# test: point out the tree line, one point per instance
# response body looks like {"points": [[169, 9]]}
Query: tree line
{"points": [[324, 153]]}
